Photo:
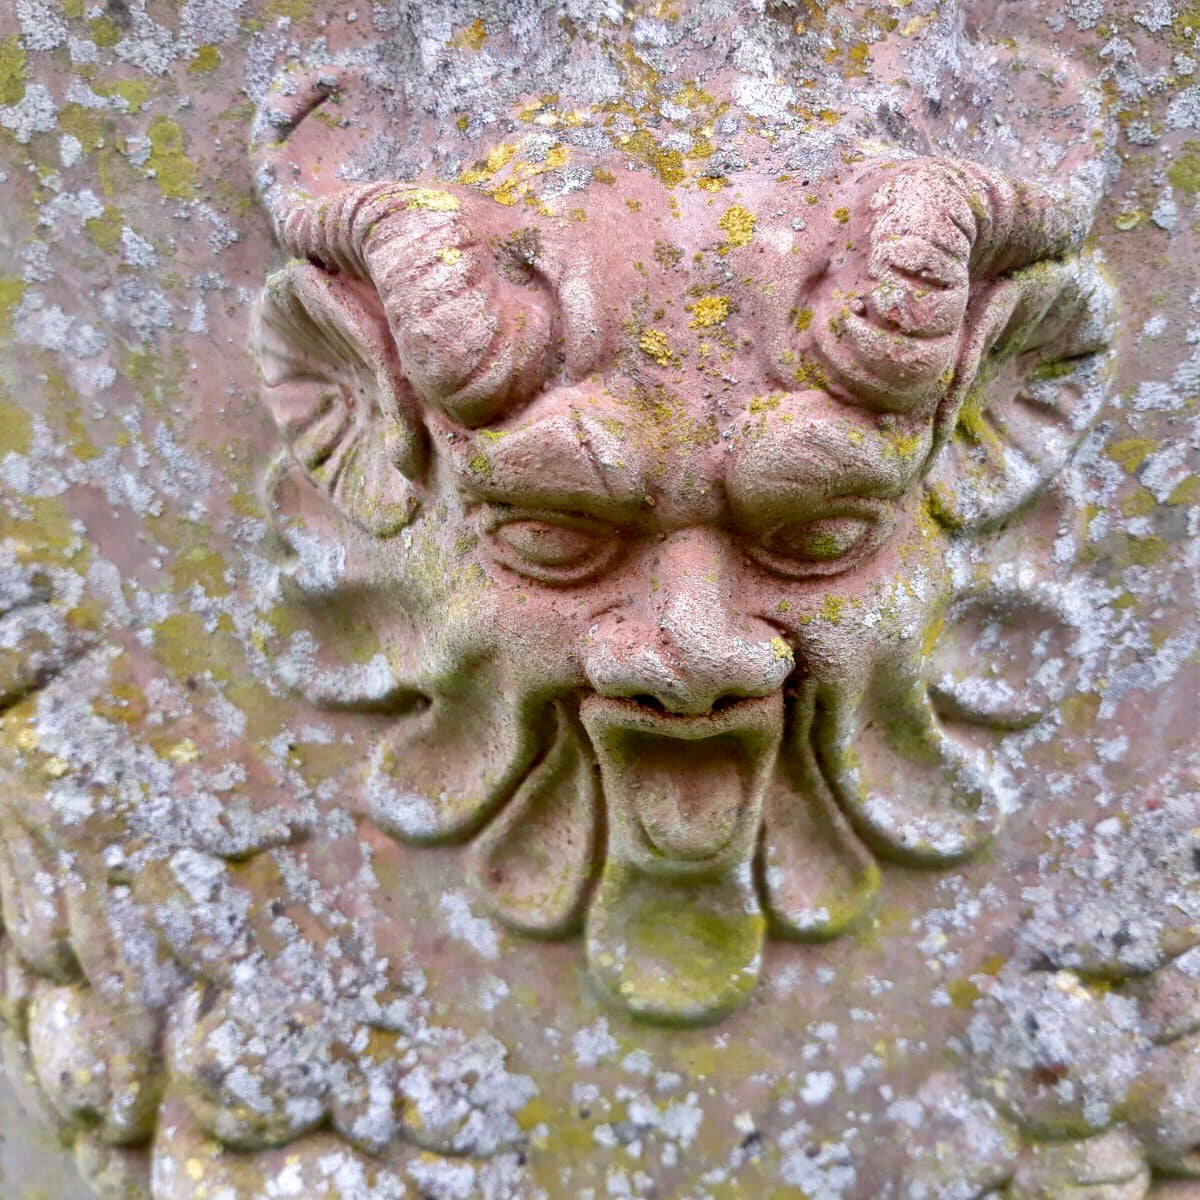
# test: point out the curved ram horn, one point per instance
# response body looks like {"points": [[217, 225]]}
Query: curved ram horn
{"points": [[470, 339]]}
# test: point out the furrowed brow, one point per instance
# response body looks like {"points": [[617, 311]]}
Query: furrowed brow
{"points": [[565, 462]]}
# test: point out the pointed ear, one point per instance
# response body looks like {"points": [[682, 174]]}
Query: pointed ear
{"points": [[1033, 375], [335, 389]]}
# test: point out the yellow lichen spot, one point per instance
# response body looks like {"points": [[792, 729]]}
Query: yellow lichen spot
{"points": [[55, 767], [185, 751], [666, 164], [654, 344], [737, 223], [803, 318], [708, 311], [433, 199], [831, 607], [475, 34], [963, 993], [781, 650], [500, 156], [1129, 219], [809, 375], [557, 157], [450, 255], [841, 215], [27, 740], [195, 1169], [712, 183], [509, 193]]}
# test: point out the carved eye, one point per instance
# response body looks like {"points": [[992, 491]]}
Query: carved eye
{"points": [[820, 547], [922, 290], [552, 547]]}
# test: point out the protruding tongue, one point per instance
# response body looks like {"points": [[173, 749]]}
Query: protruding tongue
{"points": [[685, 795], [676, 951], [675, 929]]}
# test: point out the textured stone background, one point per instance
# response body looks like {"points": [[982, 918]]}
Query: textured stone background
{"points": [[131, 246]]}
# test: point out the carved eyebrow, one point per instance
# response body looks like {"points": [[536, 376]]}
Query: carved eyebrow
{"points": [[565, 462], [818, 458]]}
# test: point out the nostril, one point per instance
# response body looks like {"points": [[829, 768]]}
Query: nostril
{"points": [[648, 701], [727, 701]]}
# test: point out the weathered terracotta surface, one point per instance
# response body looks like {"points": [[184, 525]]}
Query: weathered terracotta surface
{"points": [[602, 603]]}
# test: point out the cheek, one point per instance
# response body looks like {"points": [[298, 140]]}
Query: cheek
{"points": [[844, 627], [540, 632]]}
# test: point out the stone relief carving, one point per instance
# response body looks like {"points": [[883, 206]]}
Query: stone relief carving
{"points": [[1082, 1051], [627, 524], [662, 504]]}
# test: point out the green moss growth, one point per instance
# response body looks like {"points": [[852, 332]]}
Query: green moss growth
{"points": [[1184, 172], [1138, 504], [105, 32], [105, 230], [11, 291], [206, 59], [12, 71], [1130, 453], [174, 172], [294, 10], [86, 124], [1187, 491], [15, 429]]}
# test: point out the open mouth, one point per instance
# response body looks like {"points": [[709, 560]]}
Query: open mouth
{"points": [[684, 793]]}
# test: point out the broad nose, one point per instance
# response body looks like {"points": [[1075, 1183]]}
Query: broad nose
{"points": [[681, 642]]}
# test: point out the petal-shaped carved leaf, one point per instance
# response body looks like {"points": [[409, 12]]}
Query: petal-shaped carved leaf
{"points": [[1038, 339], [34, 909], [913, 792], [437, 774], [818, 877], [1002, 659], [281, 1060], [534, 862], [334, 388], [97, 1063], [1110, 1166]]}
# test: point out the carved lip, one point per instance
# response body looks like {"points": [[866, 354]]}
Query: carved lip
{"points": [[683, 793]]}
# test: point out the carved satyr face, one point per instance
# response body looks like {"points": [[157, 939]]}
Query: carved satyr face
{"points": [[645, 499]]}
